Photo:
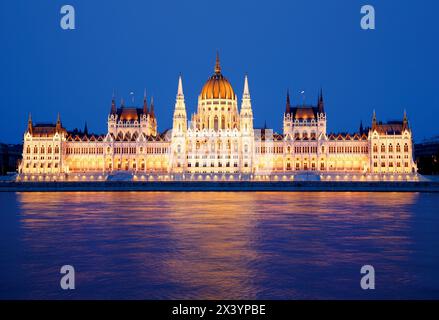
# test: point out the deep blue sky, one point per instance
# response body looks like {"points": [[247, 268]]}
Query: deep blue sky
{"points": [[300, 44]]}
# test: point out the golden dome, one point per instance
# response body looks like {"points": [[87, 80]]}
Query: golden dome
{"points": [[217, 86]]}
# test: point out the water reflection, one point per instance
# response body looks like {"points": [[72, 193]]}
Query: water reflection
{"points": [[215, 245]]}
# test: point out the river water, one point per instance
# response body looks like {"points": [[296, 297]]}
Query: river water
{"points": [[164, 245]]}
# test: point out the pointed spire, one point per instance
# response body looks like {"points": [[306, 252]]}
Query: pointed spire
{"points": [[361, 127], [180, 87], [151, 111], [405, 121], [246, 92], [29, 123], [145, 103], [321, 104], [374, 120], [113, 109], [58, 123], [85, 129], [217, 64], [288, 104]]}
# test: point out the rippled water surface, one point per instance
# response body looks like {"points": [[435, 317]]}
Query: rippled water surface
{"points": [[219, 245]]}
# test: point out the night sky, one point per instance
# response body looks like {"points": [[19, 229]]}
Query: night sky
{"points": [[301, 45]]}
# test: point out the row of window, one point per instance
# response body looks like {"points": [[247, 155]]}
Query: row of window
{"points": [[348, 149], [313, 149], [212, 165], [390, 148], [49, 165], [84, 150], [42, 149], [390, 165]]}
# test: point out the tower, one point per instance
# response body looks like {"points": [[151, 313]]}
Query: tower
{"points": [[144, 116], [29, 124], [179, 129], [112, 117], [152, 121], [321, 115], [58, 123], [246, 127], [287, 116]]}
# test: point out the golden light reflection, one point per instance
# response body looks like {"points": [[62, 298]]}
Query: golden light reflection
{"points": [[214, 245]]}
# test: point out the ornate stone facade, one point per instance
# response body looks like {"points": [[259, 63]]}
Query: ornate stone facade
{"points": [[218, 143]]}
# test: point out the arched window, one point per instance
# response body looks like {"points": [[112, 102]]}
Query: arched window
{"points": [[383, 148], [42, 149], [375, 148], [390, 148], [223, 122], [398, 148], [28, 149], [406, 148], [49, 149], [215, 123]]}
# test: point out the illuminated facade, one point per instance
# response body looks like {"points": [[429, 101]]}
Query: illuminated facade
{"points": [[218, 143]]}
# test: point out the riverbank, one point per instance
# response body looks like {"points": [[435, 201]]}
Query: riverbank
{"points": [[237, 186]]}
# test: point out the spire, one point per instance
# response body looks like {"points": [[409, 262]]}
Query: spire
{"points": [[405, 121], [145, 103], [217, 64], [180, 87], [113, 109], [246, 92], [29, 123], [374, 120], [85, 129], [321, 104], [288, 104], [361, 127], [58, 123], [151, 111]]}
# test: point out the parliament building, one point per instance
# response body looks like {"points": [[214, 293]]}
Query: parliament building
{"points": [[218, 143]]}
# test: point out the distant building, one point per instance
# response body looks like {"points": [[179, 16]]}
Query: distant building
{"points": [[218, 143], [427, 156], [10, 155]]}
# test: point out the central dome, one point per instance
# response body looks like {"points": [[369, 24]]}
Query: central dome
{"points": [[217, 87]]}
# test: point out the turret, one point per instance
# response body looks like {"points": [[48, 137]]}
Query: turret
{"points": [[145, 104], [180, 116], [320, 103], [113, 109], [58, 123], [405, 122], [179, 129], [288, 103], [151, 111], [29, 124], [374, 120], [246, 114]]}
